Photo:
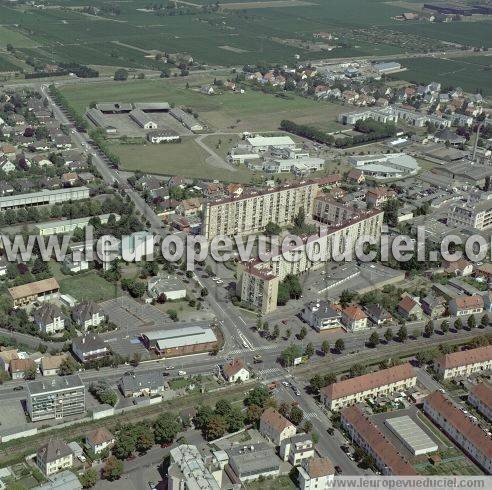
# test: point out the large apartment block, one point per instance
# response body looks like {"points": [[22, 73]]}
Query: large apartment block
{"points": [[467, 435], [332, 212], [355, 390], [256, 285], [481, 398], [367, 435], [464, 363], [249, 214], [56, 398]]}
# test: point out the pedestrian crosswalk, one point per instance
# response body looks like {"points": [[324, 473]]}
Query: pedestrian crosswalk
{"points": [[310, 415], [272, 371], [260, 348]]}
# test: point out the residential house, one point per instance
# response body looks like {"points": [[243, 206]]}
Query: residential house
{"points": [[235, 370], [296, 449], [354, 318], [189, 207], [20, 368], [88, 314], [49, 318], [464, 363], [461, 267], [89, 347], [6, 165], [8, 151], [356, 176], [321, 315], [316, 474], [410, 309], [50, 365], [275, 427], [69, 179], [99, 439], [433, 306], [149, 383], [54, 456], [377, 314], [7, 354], [466, 305]]}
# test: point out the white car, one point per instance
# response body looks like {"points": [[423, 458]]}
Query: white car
{"points": [[182, 373], [285, 383]]}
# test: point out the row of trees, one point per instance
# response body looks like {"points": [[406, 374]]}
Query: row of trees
{"points": [[60, 99]]}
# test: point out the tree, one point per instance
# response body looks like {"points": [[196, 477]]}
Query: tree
{"points": [[235, 420], [307, 427], [89, 478], [402, 333], [145, 441], [288, 333], [223, 407], [253, 414], [113, 469], [458, 324], [358, 369], [272, 229], [173, 315], [346, 297], [125, 444], [121, 74], [296, 415], [276, 332], [202, 416], [166, 428], [339, 345], [288, 355], [484, 321], [30, 373], [329, 379], [374, 339], [316, 383], [388, 335], [309, 351], [445, 326], [258, 396], [325, 347], [216, 427], [302, 333], [472, 322], [429, 329]]}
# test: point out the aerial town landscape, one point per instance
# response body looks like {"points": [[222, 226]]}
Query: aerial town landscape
{"points": [[245, 245]]}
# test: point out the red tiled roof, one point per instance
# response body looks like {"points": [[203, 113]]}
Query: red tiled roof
{"points": [[354, 313], [463, 425], [21, 365], [407, 304], [483, 392], [465, 357], [233, 367], [275, 419], [381, 446], [467, 302], [99, 436], [368, 381], [319, 467]]}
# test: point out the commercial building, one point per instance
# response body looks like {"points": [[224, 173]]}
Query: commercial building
{"points": [[411, 435], [390, 166], [382, 115], [65, 480], [56, 398], [44, 197], [171, 287], [476, 216], [464, 363], [386, 68], [43, 290], [296, 449], [180, 341], [481, 398], [368, 436], [253, 461], [54, 456], [316, 474], [455, 424], [275, 427], [188, 470], [69, 225], [89, 347], [250, 213], [263, 143], [358, 389]]}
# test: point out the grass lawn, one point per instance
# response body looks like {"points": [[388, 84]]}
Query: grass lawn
{"points": [[89, 286], [280, 483], [186, 159], [253, 111], [10, 36]]}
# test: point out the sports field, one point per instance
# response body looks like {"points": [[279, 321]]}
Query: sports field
{"points": [[231, 112]]}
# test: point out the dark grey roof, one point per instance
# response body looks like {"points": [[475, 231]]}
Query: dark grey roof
{"points": [[88, 343], [54, 449], [46, 313], [54, 384], [253, 458], [151, 380], [84, 311]]}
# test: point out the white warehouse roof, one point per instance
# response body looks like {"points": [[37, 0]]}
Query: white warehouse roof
{"points": [[262, 141]]}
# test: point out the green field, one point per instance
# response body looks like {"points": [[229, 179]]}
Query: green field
{"points": [[11, 36], [6, 65], [89, 286], [68, 33], [186, 159], [234, 112], [471, 74]]}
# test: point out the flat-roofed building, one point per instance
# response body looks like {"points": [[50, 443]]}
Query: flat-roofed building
{"points": [[180, 341], [263, 143], [477, 216], [251, 212], [356, 390], [253, 461], [44, 197], [411, 435], [464, 363], [455, 424], [56, 398], [69, 225], [296, 449], [481, 398], [368, 436], [43, 290]]}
